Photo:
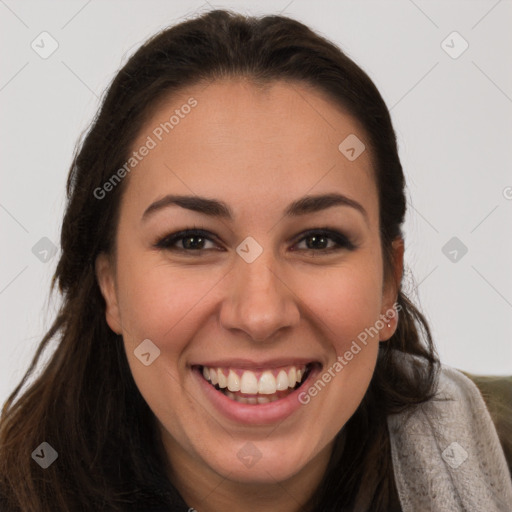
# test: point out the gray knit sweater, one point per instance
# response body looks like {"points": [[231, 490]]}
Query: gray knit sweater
{"points": [[446, 453]]}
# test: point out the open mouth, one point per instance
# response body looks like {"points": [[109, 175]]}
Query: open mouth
{"points": [[257, 387]]}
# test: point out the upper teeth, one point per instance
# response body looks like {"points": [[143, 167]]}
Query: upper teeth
{"points": [[267, 384]]}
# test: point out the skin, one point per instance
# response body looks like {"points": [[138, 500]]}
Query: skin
{"points": [[256, 149]]}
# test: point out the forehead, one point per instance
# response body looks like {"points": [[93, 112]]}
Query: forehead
{"points": [[251, 146]]}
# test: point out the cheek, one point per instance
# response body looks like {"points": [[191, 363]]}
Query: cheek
{"points": [[347, 306], [160, 301], [345, 301]]}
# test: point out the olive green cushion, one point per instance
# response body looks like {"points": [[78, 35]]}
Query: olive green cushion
{"points": [[497, 394]]}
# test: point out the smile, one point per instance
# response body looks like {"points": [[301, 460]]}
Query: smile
{"points": [[256, 387]]}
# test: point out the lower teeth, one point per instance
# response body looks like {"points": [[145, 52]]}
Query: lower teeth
{"points": [[255, 399]]}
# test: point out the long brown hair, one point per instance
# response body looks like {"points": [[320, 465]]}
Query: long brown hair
{"points": [[85, 402]]}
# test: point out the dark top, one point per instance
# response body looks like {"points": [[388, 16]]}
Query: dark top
{"points": [[177, 504]]}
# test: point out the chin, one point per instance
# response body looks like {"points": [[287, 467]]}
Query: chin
{"points": [[257, 464]]}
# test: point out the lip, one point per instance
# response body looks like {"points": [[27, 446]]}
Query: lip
{"points": [[247, 364], [254, 414]]}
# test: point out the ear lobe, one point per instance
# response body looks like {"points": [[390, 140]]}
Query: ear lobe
{"points": [[392, 288], [106, 281]]}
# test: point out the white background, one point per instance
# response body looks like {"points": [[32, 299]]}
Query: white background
{"points": [[452, 117]]}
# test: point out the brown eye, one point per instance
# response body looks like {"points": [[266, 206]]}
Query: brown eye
{"points": [[318, 241], [190, 240]]}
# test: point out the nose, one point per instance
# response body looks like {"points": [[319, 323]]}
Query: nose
{"points": [[258, 300]]}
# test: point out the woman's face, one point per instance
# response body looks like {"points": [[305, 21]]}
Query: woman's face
{"points": [[252, 296]]}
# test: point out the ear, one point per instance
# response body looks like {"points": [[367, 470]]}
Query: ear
{"points": [[105, 275], [390, 291]]}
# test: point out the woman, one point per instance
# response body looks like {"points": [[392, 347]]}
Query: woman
{"points": [[233, 331]]}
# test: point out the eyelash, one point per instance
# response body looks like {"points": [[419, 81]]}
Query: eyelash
{"points": [[168, 241]]}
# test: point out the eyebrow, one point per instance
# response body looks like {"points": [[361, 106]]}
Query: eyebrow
{"points": [[219, 209]]}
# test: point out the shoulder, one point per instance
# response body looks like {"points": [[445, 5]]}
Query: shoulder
{"points": [[462, 397], [449, 443], [497, 394], [452, 385], [456, 412], [458, 405]]}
